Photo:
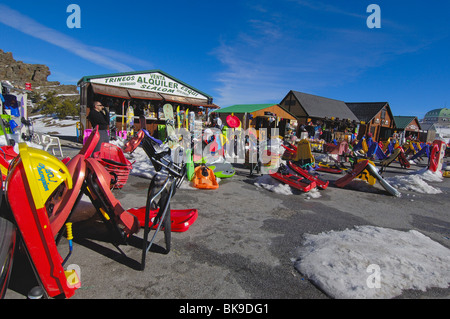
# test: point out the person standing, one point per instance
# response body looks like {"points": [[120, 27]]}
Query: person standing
{"points": [[99, 116]]}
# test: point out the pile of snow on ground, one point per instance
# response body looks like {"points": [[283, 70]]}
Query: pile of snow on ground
{"points": [[340, 263], [271, 184], [417, 181]]}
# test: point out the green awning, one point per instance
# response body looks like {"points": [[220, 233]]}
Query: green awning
{"points": [[244, 108]]}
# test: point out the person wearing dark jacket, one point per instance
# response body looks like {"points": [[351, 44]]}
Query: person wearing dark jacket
{"points": [[99, 115]]}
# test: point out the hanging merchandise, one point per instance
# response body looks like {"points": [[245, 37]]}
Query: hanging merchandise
{"points": [[233, 121]]}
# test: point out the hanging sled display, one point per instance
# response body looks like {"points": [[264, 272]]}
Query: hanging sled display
{"points": [[233, 121]]}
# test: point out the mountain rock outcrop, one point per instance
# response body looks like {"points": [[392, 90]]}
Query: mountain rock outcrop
{"points": [[19, 73]]}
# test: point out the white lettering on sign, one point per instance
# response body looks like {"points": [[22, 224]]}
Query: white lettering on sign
{"points": [[152, 82]]}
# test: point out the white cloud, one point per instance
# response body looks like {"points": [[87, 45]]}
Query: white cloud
{"points": [[280, 52], [103, 57]]}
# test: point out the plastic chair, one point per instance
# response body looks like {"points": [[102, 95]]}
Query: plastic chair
{"points": [[47, 141]]}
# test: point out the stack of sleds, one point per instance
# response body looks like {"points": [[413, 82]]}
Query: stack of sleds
{"points": [[42, 194], [362, 168], [115, 162], [386, 153], [298, 171]]}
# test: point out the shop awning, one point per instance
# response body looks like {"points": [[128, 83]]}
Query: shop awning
{"points": [[110, 91], [145, 95], [187, 100], [137, 94]]}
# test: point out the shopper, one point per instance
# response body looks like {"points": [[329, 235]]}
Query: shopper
{"points": [[99, 116]]}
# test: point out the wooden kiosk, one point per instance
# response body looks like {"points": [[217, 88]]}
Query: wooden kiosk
{"points": [[146, 91]]}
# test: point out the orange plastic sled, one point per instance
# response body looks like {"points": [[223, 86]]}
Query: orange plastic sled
{"points": [[204, 178]]}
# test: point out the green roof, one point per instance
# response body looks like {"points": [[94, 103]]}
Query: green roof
{"points": [[401, 122], [444, 112], [244, 108]]}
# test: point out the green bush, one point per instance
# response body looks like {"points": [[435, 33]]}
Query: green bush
{"points": [[59, 106]]}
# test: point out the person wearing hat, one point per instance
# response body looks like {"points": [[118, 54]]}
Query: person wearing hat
{"points": [[99, 116]]}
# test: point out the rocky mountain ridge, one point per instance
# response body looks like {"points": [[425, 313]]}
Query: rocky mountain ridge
{"points": [[19, 73]]}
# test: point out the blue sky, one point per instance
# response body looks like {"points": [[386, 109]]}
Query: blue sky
{"points": [[252, 51]]}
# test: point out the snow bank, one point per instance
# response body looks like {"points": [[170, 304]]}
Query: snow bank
{"points": [[350, 263], [54, 126], [417, 181], [16, 146], [42, 124], [271, 184], [429, 176]]}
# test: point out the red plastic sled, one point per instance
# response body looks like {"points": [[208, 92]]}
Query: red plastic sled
{"points": [[300, 183], [98, 182], [328, 169], [113, 159], [134, 142], [181, 219], [320, 183], [77, 169], [35, 179], [233, 121], [358, 169], [437, 156], [7, 152]]}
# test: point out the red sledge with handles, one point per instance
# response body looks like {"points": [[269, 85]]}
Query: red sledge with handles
{"points": [[70, 197], [35, 180], [303, 172], [295, 181]]}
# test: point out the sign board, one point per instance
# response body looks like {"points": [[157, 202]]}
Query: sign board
{"points": [[413, 127], [150, 82]]}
